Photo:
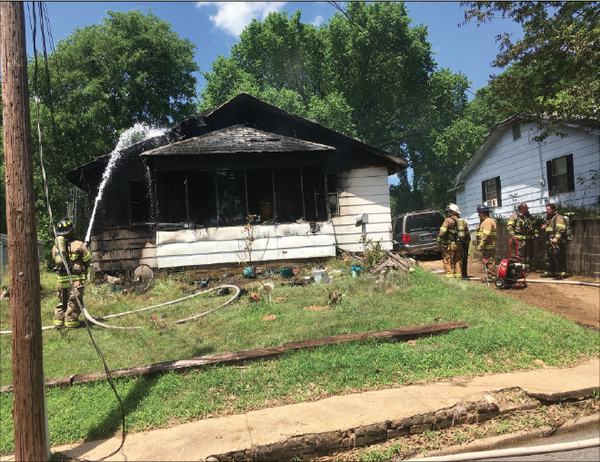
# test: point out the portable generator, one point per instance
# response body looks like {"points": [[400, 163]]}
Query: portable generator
{"points": [[512, 273]]}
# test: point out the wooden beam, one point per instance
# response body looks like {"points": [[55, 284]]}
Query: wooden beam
{"points": [[29, 411], [404, 333]]}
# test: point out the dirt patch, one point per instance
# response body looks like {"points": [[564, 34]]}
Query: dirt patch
{"points": [[576, 302]]}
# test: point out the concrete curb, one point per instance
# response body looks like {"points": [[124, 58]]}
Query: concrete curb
{"points": [[307, 446]]}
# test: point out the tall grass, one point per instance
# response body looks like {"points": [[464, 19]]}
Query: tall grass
{"points": [[503, 334]]}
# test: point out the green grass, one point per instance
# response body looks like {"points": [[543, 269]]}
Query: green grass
{"points": [[503, 334]]}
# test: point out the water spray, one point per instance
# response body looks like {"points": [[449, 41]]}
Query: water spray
{"points": [[139, 132]]}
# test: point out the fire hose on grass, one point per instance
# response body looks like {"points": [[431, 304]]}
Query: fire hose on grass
{"points": [[172, 302]]}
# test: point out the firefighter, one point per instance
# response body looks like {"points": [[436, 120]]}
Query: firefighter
{"points": [[453, 233], [78, 259], [520, 225], [555, 228], [486, 241]]}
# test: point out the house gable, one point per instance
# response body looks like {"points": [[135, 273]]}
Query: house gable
{"points": [[520, 166]]}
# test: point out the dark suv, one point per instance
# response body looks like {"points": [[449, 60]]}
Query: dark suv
{"points": [[416, 232]]}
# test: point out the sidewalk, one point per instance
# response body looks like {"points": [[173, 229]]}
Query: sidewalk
{"points": [[321, 422]]}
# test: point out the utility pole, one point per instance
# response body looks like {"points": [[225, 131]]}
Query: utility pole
{"points": [[31, 442]]}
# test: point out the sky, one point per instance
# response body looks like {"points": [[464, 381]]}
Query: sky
{"points": [[215, 26]]}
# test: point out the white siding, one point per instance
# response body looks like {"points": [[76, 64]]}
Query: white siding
{"points": [[521, 164], [228, 245], [363, 191]]}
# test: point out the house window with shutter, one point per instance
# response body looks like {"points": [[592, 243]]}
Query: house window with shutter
{"points": [[560, 175], [490, 190]]}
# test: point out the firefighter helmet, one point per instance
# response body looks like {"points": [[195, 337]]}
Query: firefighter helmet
{"points": [[65, 227], [452, 208], [483, 208]]}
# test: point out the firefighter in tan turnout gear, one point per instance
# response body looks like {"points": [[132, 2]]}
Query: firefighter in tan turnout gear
{"points": [[521, 226], [486, 241], [78, 259], [555, 228], [453, 233]]}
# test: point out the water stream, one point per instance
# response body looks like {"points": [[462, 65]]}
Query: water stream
{"points": [[139, 132]]}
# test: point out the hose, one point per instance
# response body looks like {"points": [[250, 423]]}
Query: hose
{"points": [[518, 452], [172, 302], [579, 283]]}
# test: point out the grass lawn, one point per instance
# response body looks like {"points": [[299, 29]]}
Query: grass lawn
{"points": [[503, 334]]}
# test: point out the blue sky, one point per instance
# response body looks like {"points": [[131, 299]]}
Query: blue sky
{"points": [[215, 26]]}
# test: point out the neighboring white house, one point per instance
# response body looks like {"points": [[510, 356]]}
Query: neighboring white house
{"points": [[511, 167]]}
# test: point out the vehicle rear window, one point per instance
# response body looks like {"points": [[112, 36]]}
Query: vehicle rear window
{"points": [[424, 222]]}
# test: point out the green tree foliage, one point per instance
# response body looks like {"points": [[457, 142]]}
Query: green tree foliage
{"points": [[450, 144], [101, 80], [554, 71], [365, 74]]}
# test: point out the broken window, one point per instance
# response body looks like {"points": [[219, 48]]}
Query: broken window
{"points": [[332, 194], [260, 194], [227, 197], [231, 194], [171, 197], [140, 201], [202, 198]]}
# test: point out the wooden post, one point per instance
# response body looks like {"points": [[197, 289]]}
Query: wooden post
{"points": [[31, 442]]}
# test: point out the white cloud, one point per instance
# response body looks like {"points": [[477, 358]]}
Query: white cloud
{"points": [[317, 21], [232, 17]]}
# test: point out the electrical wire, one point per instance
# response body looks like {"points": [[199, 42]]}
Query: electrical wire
{"points": [[72, 288]]}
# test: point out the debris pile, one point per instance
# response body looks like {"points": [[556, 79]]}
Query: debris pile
{"points": [[403, 265]]}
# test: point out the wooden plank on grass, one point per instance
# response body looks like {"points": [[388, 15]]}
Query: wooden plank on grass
{"points": [[405, 333], [166, 366]]}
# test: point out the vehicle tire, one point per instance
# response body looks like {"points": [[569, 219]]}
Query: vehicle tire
{"points": [[499, 283]]}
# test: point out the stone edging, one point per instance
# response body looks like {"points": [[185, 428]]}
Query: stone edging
{"points": [[314, 445]]}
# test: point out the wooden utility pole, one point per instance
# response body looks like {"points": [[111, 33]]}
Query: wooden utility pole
{"points": [[31, 442]]}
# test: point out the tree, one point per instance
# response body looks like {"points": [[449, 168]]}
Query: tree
{"points": [[101, 80], [365, 74], [554, 71]]}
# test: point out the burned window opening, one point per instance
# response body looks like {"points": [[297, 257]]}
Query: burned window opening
{"points": [[140, 203], [199, 199], [333, 199]]}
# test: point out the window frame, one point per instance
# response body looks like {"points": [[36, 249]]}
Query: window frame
{"points": [[484, 192], [564, 186]]}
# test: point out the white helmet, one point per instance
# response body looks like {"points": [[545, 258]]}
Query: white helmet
{"points": [[452, 208]]}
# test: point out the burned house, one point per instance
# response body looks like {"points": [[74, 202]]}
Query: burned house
{"points": [[182, 200]]}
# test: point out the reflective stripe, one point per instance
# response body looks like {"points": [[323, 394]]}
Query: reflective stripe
{"points": [[72, 324], [489, 233], [450, 275], [59, 323], [442, 229]]}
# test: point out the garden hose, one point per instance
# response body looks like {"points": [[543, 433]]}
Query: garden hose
{"points": [[172, 302]]}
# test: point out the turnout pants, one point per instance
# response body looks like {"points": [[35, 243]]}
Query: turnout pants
{"points": [[557, 262], [453, 256], [492, 267], [67, 311]]}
